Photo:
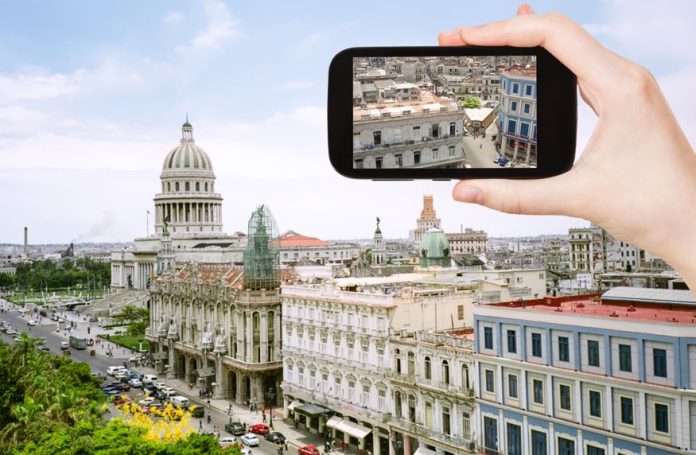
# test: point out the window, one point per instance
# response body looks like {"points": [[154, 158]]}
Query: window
{"points": [[515, 87], [625, 358], [512, 341], [513, 105], [595, 404], [399, 160], [466, 424], [488, 337], [378, 162], [490, 433], [538, 443], [564, 391], [593, 450], [451, 150], [446, 428], [661, 418], [514, 439], [512, 386], [176, 186], [460, 312], [359, 163], [416, 157], [660, 363], [453, 128], [524, 129], [381, 399], [377, 136], [428, 370], [526, 108], [490, 386], [566, 446], [538, 391], [512, 126], [528, 90], [536, 344], [593, 353], [445, 372], [187, 185], [563, 351], [435, 154], [627, 410], [198, 186]]}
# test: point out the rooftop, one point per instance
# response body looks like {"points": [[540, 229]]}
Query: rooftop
{"points": [[635, 304], [293, 239], [428, 103]]}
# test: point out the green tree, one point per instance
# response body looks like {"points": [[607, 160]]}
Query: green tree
{"points": [[471, 102]]}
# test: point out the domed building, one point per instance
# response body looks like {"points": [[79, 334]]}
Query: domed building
{"points": [[434, 249], [188, 202]]}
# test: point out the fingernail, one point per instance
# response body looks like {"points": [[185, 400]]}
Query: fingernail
{"points": [[468, 194]]}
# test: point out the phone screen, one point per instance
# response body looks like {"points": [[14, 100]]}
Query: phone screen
{"points": [[445, 112]]}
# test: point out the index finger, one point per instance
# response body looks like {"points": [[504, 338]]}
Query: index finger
{"points": [[564, 38]]}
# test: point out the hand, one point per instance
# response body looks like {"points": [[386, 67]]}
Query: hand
{"points": [[637, 175]]}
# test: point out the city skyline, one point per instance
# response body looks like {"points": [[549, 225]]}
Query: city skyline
{"points": [[88, 121]]}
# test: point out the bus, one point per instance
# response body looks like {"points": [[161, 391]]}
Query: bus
{"points": [[78, 342]]}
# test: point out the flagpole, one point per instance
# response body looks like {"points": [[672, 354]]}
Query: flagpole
{"points": [[147, 225]]}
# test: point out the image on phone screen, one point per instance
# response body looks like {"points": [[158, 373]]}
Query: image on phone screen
{"points": [[445, 112]]}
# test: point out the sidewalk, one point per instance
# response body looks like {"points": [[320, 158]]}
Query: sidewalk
{"points": [[242, 414]]}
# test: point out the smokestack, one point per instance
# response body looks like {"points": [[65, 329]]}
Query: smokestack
{"points": [[26, 241]]}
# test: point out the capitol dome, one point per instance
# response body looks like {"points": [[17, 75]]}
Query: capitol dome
{"points": [[187, 155]]}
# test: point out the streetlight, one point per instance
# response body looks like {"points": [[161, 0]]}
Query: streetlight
{"points": [[270, 398]]}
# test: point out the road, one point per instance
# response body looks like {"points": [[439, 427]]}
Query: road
{"points": [[99, 364]]}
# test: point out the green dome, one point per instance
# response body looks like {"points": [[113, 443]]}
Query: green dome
{"points": [[434, 244]]}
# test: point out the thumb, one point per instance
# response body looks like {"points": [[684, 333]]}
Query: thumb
{"points": [[550, 196]]}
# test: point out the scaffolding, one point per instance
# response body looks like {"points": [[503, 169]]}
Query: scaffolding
{"points": [[261, 255]]}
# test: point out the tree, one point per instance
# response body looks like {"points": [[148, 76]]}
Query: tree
{"points": [[471, 102]]}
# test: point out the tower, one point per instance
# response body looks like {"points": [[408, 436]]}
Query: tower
{"points": [[261, 256], [379, 252], [428, 220]]}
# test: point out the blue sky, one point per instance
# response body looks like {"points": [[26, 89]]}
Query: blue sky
{"points": [[92, 95]]}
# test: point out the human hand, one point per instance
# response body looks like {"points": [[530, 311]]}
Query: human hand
{"points": [[637, 175]]}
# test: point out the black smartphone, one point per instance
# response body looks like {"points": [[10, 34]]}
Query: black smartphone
{"points": [[401, 113]]}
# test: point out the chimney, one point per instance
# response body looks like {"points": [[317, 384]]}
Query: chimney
{"points": [[26, 241]]}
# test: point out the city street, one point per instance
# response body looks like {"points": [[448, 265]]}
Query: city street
{"points": [[480, 151], [99, 364]]}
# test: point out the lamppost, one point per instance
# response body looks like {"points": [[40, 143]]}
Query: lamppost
{"points": [[270, 398]]}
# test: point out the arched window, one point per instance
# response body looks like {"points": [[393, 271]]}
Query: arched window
{"points": [[428, 370], [206, 187], [411, 363], [397, 404], [198, 186], [187, 186], [169, 187], [271, 323], [255, 321], [176, 186], [445, 372], [465, 377]]}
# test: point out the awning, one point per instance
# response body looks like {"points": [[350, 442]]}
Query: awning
{"points": [[422, 450], [333, 421], [293, 405], [312, 410], [206, 372], [352, 428]]}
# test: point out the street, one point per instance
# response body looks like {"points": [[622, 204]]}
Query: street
{"points": [[99, 364]]}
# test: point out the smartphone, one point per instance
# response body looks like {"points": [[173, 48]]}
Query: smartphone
{"points": [[403, 113]]}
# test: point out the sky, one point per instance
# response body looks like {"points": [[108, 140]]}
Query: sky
{"points": [[93, 95]]}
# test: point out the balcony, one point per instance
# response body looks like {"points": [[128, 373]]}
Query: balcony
{"points": [[399, 146]]}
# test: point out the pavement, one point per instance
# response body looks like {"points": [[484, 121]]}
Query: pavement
{"points": [[100, 362], [480, 151]]}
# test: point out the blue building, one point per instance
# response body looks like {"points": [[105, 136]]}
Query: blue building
{"points": [[517, 116], [614, 375]]}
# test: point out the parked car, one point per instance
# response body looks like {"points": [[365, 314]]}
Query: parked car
{"points": [[180, 401], [135, 382], [64, 345], [309, 450], [123, 387], [235, 428], [43, 347], [31, 322], [122, 399], [276, 437], [250, 439], [245, 450], [146, 401], [197, 411], [227, 441], [149, 379], [112, 370], [260, 428]]}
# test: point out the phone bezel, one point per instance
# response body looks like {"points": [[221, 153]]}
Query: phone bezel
{"points": [[556, 113]]}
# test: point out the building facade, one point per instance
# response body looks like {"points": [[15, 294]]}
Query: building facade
{"points": [[560, 376], [517, 118], [428, 220], [468, 241]]}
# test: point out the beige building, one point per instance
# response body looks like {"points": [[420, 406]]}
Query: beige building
{"points": [[468, 241], [427, 220]]}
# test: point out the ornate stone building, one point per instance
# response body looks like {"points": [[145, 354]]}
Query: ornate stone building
{"points": [[428, 220], [219, 326]]}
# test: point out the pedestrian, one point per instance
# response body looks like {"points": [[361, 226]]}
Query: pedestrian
{"points": [[263, 417], [285, 443], [480, 146]]}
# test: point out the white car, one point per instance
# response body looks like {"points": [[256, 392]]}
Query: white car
{"points": [[245, 451], [227, 441], [31, 322], [250, 439], [136, 383], [11, 331], [111, 371], [64, 345], [146, 401], [149, 379]]}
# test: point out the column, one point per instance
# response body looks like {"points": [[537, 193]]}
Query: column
{"points": [[249, 338], [578, 403], [641, 410], [263, 337], [392, 450], [277, 335], [241, 334], [171, 374], [407, 445], [375, 442], [361, 441], [609, 401], [514, 151], [219, 389], [529, 144]]}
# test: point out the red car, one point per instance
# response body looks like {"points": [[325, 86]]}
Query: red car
{"points": [[260, 428], [308, 450]]}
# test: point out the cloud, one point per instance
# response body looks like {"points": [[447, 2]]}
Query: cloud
{"points": [[221, 27], [293, 85], [173, 17]]}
